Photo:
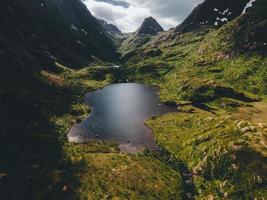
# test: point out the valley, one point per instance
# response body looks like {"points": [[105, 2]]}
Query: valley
{"points": [[208, 118]]}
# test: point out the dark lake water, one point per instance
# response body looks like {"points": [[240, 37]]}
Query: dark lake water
{"points": [[119, 113]]}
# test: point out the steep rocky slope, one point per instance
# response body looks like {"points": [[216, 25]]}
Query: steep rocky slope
{"points": [[213, 13], [209, 14], [49, 31], [37, 38], [148, 29], [38, 35], [110, 28], [245, 34]]}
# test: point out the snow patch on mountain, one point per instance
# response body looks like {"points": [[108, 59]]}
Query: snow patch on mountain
{"points": [[249, 5], [224, 12], [222, 19]]}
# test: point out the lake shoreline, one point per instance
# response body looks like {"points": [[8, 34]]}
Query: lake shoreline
{"points": [[81, 134]]}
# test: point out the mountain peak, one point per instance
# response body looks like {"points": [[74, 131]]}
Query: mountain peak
{"points": [[150, 26], [150, 18]]}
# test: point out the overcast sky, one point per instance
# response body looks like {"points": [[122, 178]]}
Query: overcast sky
{"points": [[129, 14]]}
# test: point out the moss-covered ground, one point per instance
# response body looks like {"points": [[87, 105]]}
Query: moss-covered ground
{"points": [[220, 132], [52, 168], [225, 153]]}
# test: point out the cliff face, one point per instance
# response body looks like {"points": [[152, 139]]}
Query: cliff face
{"points": [[250, 30], [213, 13], [110, 28], [44, 31]]}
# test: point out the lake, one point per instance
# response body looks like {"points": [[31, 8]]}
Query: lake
{"points": [[119, 114]]}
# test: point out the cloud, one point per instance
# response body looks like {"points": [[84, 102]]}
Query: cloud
{"points": [[116, 2], [129, 14]]}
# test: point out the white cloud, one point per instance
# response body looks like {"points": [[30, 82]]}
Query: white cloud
{"points": [[169, 13]]}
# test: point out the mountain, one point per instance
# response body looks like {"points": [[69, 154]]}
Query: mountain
{"points": [[149, 27], [40, 35], [39, 40], [213, 13], [249, 32], [52, 30], [246, 34], [110, 28]]}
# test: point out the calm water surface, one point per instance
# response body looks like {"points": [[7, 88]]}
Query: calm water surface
{"points": [[119, 113]]}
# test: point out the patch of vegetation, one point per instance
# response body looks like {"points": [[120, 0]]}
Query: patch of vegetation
{"points": [[122, 176], [214, 76], [132, 42], [218, 150], [34, 137]]}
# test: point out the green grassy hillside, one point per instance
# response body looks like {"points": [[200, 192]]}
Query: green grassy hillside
{"points": [[218, 79]]}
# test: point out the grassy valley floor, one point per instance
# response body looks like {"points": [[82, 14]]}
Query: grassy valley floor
{"points": [[220, 133], [53, 168], [226, 153], [106, 173], [214, 148]]}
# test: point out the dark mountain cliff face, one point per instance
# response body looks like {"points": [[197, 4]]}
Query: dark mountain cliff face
{"points": [[34, 34], [250, 31], [45, 31], [246, 34], [213, 13], [149, 27]]}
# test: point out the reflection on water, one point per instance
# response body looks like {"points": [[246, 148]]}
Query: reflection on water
{"points": [[119, 113]]}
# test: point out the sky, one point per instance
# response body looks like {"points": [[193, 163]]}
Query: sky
{"points": [[128, 15]]}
